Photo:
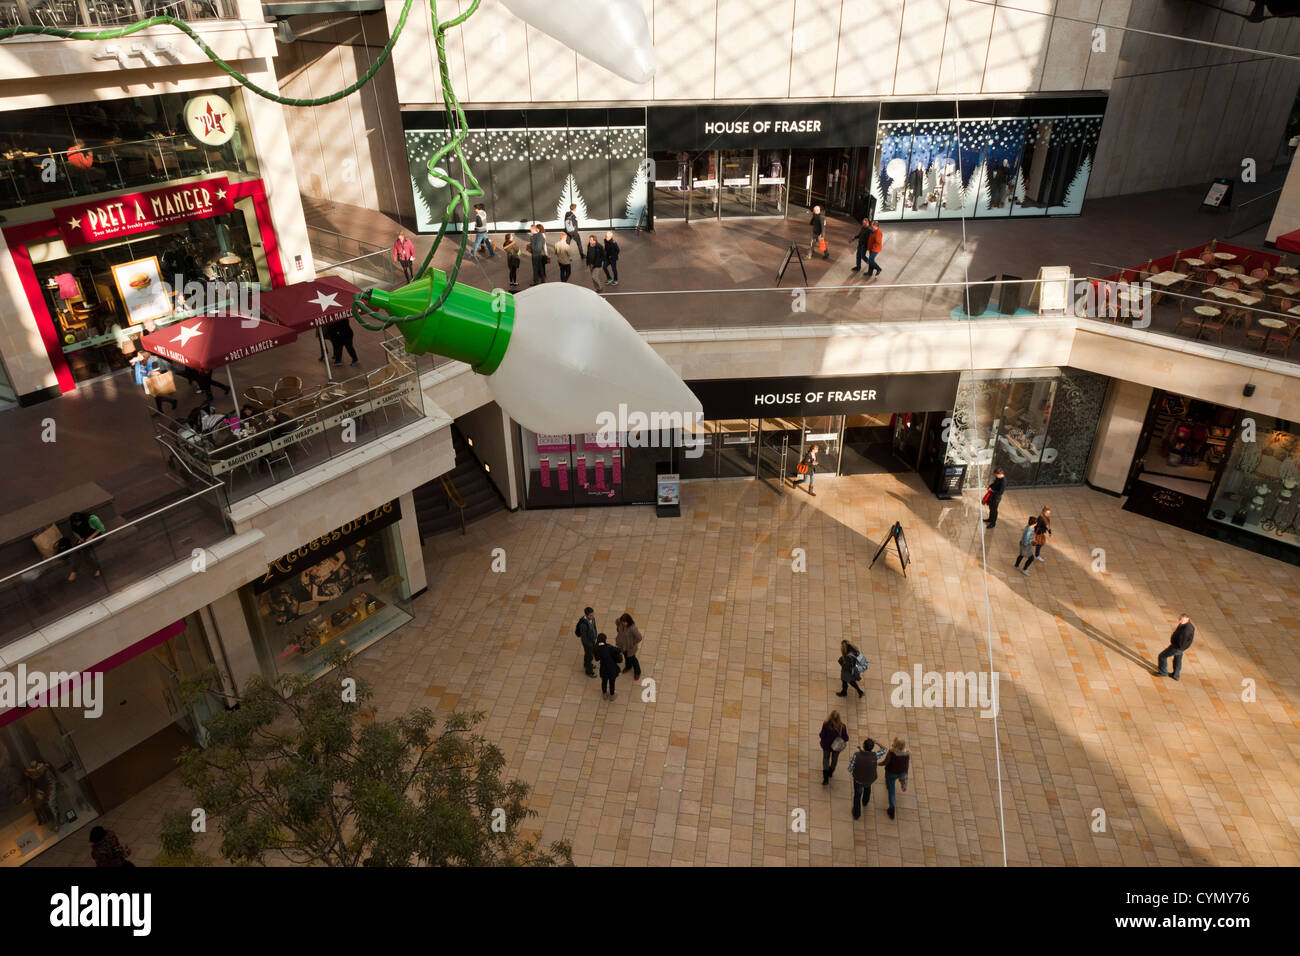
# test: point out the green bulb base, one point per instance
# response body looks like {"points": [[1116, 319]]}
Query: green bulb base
{"points": [[472, 326]]}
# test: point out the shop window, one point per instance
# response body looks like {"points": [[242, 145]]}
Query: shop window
{"points": [[1258, 491], [1076, 410], [1022, 430], [43, 796], [346, 591]]}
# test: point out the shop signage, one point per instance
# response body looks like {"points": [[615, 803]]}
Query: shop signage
{"points": [[745, 126], [210, 120], [313, 551], [800, 396], [133, 213]]}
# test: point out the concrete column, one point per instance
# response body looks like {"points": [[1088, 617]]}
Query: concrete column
{"points": [[232, 641], [1118, 431], [412, 550]]}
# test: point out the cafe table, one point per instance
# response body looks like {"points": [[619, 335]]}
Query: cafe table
{"points": [[1167, 278], [1294, 310], [1243, 279], [1225, 256], [1285, 271], [1285, 288], [1194, 263], [1272, 323]]}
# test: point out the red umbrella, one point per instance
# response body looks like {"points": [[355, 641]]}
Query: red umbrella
{"points": [[208, 342], [310, 305]]}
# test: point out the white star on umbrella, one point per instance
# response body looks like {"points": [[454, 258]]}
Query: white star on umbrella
{"points": [[74, 223], [187, 334], [221, 194], [330, 301]]}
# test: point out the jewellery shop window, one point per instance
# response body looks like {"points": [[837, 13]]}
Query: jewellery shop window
{"points": [[42, 798], [103, 297], [347, 588], [1258, 491]]}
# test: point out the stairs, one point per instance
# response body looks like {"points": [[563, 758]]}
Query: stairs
{"points": [[436, 514]]}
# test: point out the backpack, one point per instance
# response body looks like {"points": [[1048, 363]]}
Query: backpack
{"points": [[859, 664], [478, 221], [577, 628], [615, 654]]}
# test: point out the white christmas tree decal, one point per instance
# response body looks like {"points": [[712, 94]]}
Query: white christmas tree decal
{"points": [[570, 196], [954, 197], [1020, 187], [1073, 202], [423, 216], [878, 203], [636, 196], [978, 195]]}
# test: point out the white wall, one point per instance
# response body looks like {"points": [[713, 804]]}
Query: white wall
{"points": [[488, 428], [774, 50]]}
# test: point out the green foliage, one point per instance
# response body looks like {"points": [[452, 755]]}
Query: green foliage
{"points": [[299, 771], [178, 838]]}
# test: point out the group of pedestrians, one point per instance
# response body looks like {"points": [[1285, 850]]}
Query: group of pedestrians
{"points": [[864, 763], [599, 654], [1034, 534], [870, 240]]}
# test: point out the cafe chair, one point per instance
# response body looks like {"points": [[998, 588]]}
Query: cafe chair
{"points": [[287, 389], [1259, 272], [259, 397], [1186, 317]]}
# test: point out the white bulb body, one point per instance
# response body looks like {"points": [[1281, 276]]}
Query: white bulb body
{"points": [[574, 365], [613, 33]]}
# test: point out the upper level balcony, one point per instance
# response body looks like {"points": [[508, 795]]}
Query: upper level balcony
{"points": [[71, 14]]}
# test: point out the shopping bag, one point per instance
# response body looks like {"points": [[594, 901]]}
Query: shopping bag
{"points": [[159, 383], [821, 245], [987, 495]]}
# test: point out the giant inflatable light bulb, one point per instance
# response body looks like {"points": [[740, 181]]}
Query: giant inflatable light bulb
{"points": [[613, 33], [558, 358]]}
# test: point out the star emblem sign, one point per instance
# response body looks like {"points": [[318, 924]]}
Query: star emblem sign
{"points": [[221, 194], [187, 334], [330, 301], [74, 223]]}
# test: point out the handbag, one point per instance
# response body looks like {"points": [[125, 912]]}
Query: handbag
{"points": [[821, 245], [1040, 540], [837, 744], [987, 495], [802, 468], [160, 383]]}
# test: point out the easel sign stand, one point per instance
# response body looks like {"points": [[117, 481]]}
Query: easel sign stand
{"points": [[900, 542], [792, 253]]}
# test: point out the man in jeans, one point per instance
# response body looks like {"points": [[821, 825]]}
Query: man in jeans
{"points": [[818, 224], [480, 232], [863, 237], [1179, 642], [587, 634], [809, 459], [862, 768]]}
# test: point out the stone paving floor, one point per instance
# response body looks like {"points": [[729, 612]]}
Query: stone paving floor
{"points": [[742, 653]]}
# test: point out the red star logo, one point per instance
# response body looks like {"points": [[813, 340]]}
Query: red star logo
{"points": [[212, 121]]}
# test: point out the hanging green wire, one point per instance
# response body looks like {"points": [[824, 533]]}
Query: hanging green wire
{"points": [[456, 127]]}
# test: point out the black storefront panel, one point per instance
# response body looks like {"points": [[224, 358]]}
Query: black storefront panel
{"points": [[761, 125], [802, 396]]}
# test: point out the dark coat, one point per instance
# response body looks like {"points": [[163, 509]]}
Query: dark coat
{"points": [[847, 665], [828, 735], [818, 223], [537, 245], [595, 256], [588, 635], [1182, 636], [610, 659], [863, 767], [611, 250], [863, 237], [997, 486]]}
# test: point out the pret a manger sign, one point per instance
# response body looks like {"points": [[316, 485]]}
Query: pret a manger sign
{"points": [[134, 213]]}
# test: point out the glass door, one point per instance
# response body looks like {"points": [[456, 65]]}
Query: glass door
{"points": [[780, 441], [737, 447], [739, 182], [672, 183], [773, 182], [704, 192]]}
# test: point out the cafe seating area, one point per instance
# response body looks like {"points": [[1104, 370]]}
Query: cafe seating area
{"points": [[1216, 292]]}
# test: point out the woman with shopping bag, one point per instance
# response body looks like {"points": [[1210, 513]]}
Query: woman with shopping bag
{"points": [[158, 384]]}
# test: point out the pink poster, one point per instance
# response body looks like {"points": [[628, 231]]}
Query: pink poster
{"points": [[546, 473], [618, 468], [582, 471], [600, 473], [562, 474]]}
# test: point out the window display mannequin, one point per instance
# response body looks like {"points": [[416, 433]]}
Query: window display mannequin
{"points": [[41, 789], [916, 186]]}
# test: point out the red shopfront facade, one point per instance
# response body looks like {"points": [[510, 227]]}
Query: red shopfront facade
{"points": [[84, 269]]}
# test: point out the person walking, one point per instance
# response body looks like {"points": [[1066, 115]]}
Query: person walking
{"points": [[874, 245], [993, 496], [610, 657], [863, 238], [818, 224], [834, 737], [537, 248], [1179, 642], [628, 641], [107, 850], [511, 249], [144, 365], [571, 226], [863, 771], [596, 263], [340, 333], [611, 258], [586, 631], [1027, 545], [807, 468], [404, 254], [85, 527], [896, 762], [481, 236], [564, 256], [1042, 528], [852, 666]]}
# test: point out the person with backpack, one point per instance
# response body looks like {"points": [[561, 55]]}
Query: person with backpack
{"points": [[610, 657], [1179, 642], [834, 736], [807, 468], [818, 224], [571, 226], [874, 245], [896, 762], [595, 263], [629, 641], [863, 772], [480, 232], [586, 632], [852, 666], [611, 258]]}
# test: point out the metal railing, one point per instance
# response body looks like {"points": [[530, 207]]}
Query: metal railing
{"points": [[297, 431], [39, 177], [43, 592], [360, 262], [454, 499], [72, 13]]}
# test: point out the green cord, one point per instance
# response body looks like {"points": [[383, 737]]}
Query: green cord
{"points": [[456, 127]]}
